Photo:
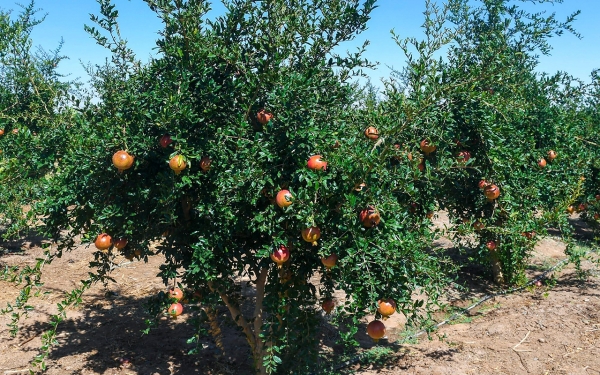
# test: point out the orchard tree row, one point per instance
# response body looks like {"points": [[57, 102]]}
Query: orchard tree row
{"points": [[245, 150]]}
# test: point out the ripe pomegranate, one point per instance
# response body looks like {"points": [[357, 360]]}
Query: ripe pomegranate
{"points": [[263, 116], [386, 308], [376, 330], [284, 198], [483, 184], [478, 225], [175, 310], [492, 192], [177, 163], [596, 216], [371, 132], [122, 160], [328, 305], [427, 147], [369, 217], [280, 255], [529, 235], [316, 163], [311, 235], [1, 132], [582, 207], [570, 210], [205, 163], [491, 245], [329, 261], [551, 155], [463, 156], [120, 243], [165, 141], [429, 215], [103, 241], [541, 163], [175, 293]]}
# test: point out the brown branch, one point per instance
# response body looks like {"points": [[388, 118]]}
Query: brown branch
{"points": [[260, 295], [237, 316]]}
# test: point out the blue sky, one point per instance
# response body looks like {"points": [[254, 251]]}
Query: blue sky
{"points": [[139, 25]]}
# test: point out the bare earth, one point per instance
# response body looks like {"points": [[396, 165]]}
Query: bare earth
{"points": [[542, 330]]}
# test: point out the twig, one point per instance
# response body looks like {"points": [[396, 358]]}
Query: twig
{"points": [[27, 340], [16, 371], [520, 342]]}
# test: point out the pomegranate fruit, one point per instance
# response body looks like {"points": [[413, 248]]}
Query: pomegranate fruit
{"points": [[542, 163], [360, 187], [328, 305], [329, 261], [582, 207], [491, 245], [478, 225], [371, 132], [492, 192], [284, 198], [596, 216], [529, 235], [120, 243], [463, 156], [122, 160], [376, 330], [175, 293], [483, 184], [103, 241], [570, 210], [316, 163], [427, 147], [165, 141], [369, 217], [280, 255], [386, 307], [311, 235], [175, 310], [177, 163], [205, 163], [263, 116], [421, 165], [1, 132], [551, 155]]}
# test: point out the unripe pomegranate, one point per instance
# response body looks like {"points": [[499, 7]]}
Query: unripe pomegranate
{"points": [[369, 217], [328, 305], [386, 308], [263, 116], [551, 155], [103, 241], [175, 293], [120, 243], [175, 310], [311, 235], [376, 330], [329, 261], [122, 160], [165, 141], [205, 163], [427, 147], [284, 198], [492, 192], [491, 245], [177, 163], [316, 163], [280, 255], [371, 132], [542, 163], [463, 156]]}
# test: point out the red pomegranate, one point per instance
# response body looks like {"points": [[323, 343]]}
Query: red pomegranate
{"points": [[205, 163], [551, 155], [122, 160], [483, 184], [280, 255], [316, 163], [541, 163], [311, 235], [120, 243], [491, 245], [427, 147], [177, 163], [369, 217], [371, 132], [492, 192], [376, 330], [463, 156], [103, 242], [329, 261], [175, 310], [328, 305], [165, 141], [284, 198], [263, 116], [386, 308], [175, 293]]}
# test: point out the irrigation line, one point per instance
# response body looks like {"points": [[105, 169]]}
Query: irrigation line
{"points": [[461, 313]]}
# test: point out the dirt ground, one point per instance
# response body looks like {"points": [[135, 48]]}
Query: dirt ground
{"points": [[552, 329]]}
